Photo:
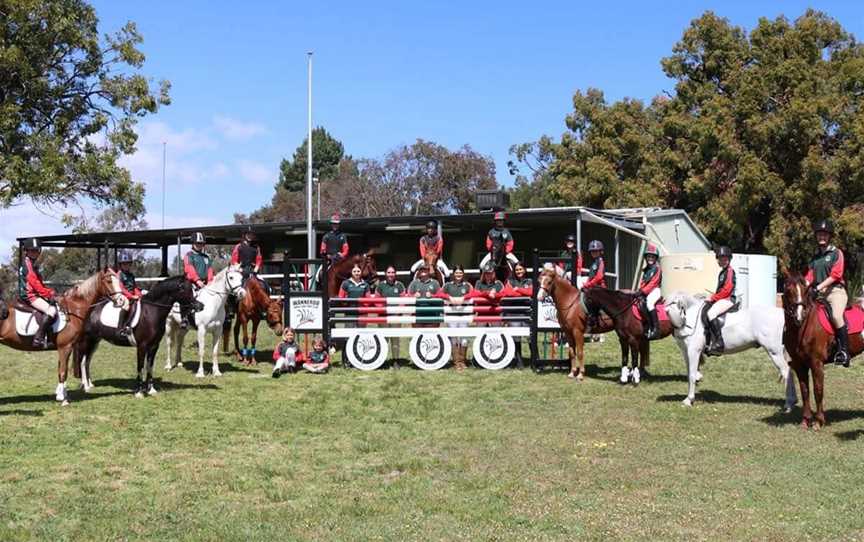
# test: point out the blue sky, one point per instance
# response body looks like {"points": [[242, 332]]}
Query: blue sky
{"points": [[488, 74]]}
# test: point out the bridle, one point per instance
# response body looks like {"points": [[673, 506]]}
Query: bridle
{"points": [[683, 311]]}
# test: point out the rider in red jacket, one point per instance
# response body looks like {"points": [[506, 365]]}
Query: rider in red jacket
{"points": [[32, 290]]}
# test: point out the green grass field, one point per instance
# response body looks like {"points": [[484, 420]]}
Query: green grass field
{"points": [[409, 455]]}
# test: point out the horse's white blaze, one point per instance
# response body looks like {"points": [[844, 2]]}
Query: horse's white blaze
{"points": [[799, 313], [747, 328]]}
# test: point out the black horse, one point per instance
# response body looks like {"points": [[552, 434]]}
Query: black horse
{"points": [[147, 333]]}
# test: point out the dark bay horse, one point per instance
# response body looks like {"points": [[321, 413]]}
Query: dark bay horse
{"points": [[619, 307], [340, 272], [573, 319], [249, 309], [809, 345], [147, 333], [75, 304], [430, 260]]}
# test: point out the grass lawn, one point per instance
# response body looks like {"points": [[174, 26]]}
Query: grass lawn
{"points": [[409, 455]]}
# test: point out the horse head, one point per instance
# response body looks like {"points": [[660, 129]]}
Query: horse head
{"points": [[797, 297], [274, 316], [547, 281], [174, 290], [368, 271], [234, 281]]}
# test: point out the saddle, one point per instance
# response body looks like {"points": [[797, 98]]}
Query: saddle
{"points": [[660, 307], [109, 316], [28, 320], [854, 319]]}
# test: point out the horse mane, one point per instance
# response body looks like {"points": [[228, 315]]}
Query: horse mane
{"points": [[161, 287], [684, 298], [88, 288], [617, 300]]}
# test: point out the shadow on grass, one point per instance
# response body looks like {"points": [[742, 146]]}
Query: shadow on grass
{"points": [[832, 416], [224, 366], [849, 436], [128, 384], [18, 412], [710, 396], [74, 395]]}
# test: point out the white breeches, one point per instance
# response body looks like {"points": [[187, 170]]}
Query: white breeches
{"points": [[44, 307], [286, 361], [652, 298], [488, 256], [441, 267], [719, 308]]}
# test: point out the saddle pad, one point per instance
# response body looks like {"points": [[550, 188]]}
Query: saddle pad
{"points": [[110, 315], [26, 324], [854, 318], [661, 312]]}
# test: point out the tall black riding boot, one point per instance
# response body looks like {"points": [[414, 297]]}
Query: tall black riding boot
{"points": [[841, 354], [40, 340], [717, 346], [653, 325]]}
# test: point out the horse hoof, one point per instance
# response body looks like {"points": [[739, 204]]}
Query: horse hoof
{"points": [[571, 374], [580, 377], [805, 425], [65, 402], [786, 410], [152, 391], [199, 374], [698, 376], [687, 402], [169, 367], [139, 394], [217, 374]]}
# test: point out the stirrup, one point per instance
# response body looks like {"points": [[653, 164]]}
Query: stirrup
{"points": [[841, 357]]}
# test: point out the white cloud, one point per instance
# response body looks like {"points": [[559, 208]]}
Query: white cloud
{"points": [[28, 221], [237, 130], [256, 172]]}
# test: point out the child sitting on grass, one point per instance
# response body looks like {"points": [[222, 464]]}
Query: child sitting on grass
{"points": [[287, 354], [318, 361]]}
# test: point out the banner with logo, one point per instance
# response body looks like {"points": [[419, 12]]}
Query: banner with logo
{"points": [[306, 313]]}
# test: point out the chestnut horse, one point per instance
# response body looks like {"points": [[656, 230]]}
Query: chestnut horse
{"points": [[340, 272], [573, 319], [809, 345], [249, 309], [75, 304], [619, 307]]}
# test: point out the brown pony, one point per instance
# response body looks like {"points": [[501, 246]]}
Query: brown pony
{"points": [[341, 271], [619, 306], [809, 345], [430, 260], [249, 309], [76, 304], [573, 319]]}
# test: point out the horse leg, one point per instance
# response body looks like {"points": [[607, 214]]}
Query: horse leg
{"points": [[139, 380], [201, 330], [216, 371], [636, 359], [169, 332], [151, 358], [801, 371], [818, 393], [692, 368], [83, 354], [62, 372], [255, 323], [245, 356], [644, 357], [777, 357], [238, 323], [625, 360]]}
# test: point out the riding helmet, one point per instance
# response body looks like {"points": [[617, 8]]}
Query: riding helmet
{"points": [[570, 238], [724, 251], [335, 219], [595, 245], [125, 256], [249, 234], [499, 216], [431, 224], [31, 243], [651, 250], [198, 237], [488, 268], [824, 225]]}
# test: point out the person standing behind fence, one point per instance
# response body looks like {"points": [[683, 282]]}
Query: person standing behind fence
{"points": [[390, 287], [456, 290], [487, 283], [424, 285], [354, 287]]}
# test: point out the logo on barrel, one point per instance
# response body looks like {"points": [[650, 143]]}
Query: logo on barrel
{"points": [[306, 313], [430, 347]]}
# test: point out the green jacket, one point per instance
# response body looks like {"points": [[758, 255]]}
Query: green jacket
{"points": [[431, 287], [386, 289], [457, 290]]}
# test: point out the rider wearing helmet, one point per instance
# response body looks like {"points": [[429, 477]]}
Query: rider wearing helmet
{"points": [[721, 300], [32, 290], [196, 263], [565, 265], [334, 244], [247, 254], [432, 240], [649, 289], [128, 288], [597, 271], [825, 274], [499, 239]]}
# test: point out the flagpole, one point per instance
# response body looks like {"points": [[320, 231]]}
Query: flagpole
{"points": [[310, 233]]}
